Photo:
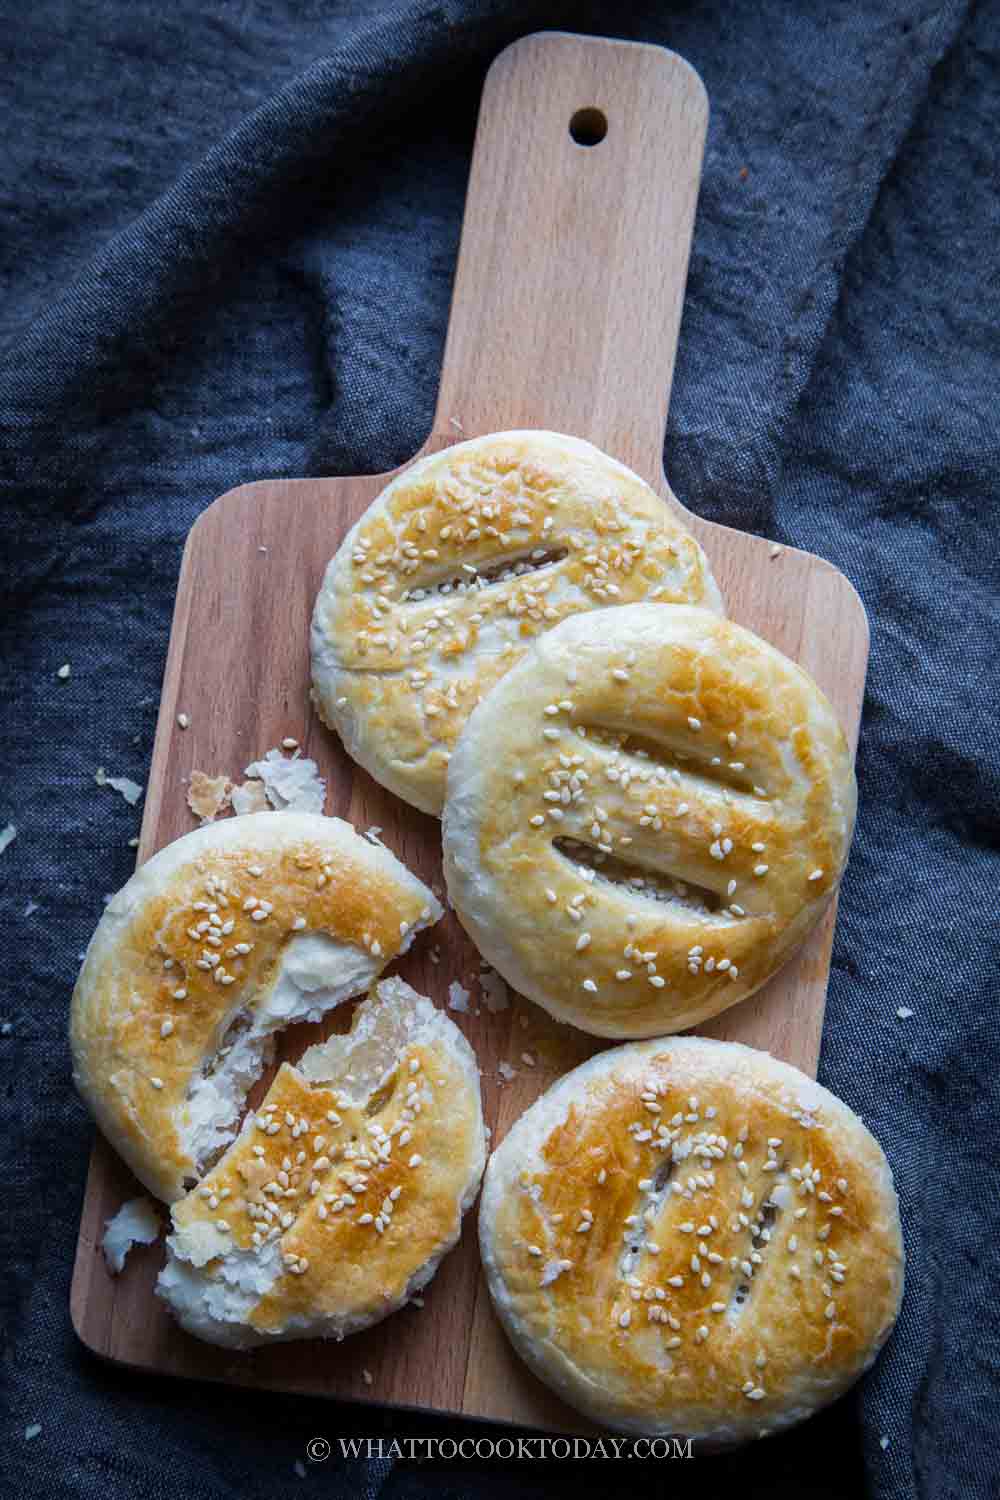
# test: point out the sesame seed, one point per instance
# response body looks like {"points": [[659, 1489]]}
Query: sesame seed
{"points": [[157, 1083], [166, 1028], [415, 1160], [760, 870], [582, 942], [589, 985], [182, 719], [289, 744], [694, 723], [816, 875], [180, 994]]}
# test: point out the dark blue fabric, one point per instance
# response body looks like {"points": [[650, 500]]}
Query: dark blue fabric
{"points": [[229, 232]]}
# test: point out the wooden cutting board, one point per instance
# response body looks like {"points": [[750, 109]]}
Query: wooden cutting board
{"points": [[565, 316]]}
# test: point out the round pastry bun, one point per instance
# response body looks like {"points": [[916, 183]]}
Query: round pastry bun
{"points": [[687, 1237], [220, 940], [462, 560], [342, 1192], [644, 818]]}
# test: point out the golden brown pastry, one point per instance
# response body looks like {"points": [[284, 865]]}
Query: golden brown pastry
{"points": [[216, 943], [645, 816], [462, 561], [688, 1237], [342, 1192]]}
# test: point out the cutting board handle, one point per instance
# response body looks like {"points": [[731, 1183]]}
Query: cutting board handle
{"points": [[574, 254]]}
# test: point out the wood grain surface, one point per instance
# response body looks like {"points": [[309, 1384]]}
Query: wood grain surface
{"points": [[566, 311]]}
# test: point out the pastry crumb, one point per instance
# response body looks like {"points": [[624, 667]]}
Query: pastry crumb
{"points": [[291, 784], [458, 998], [250, 797], [124, 785], [775, 551], [904, 1012], [63, 671], [32, 1431], [135, 1223], [207, 796], [506, 1071], [183, 721]]}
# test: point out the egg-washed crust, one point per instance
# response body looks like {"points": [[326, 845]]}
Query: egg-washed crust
{"points": [[195, 939], [398, 664], [667, 746], [768, 1268], [364, 1199]]}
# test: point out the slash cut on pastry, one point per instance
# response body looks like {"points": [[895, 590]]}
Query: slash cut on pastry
{"points": [[215, 944], [687, 1237], [464, 559], [343, 1191], [645, 817]]}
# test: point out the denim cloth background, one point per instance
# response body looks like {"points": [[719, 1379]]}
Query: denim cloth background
{"points": [[228, 236]]}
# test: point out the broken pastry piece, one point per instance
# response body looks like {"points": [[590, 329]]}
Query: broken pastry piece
{"points": [[219, 941], [343, 1191]]}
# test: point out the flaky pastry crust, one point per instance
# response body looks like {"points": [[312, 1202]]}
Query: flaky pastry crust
{"points": [[645, 817], [462, 561], [689, 1237]]}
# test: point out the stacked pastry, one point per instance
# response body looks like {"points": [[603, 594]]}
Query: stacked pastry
{"points": [[646, 808]]}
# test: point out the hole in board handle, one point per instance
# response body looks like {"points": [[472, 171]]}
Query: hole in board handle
{"points": [[588, 127]]}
